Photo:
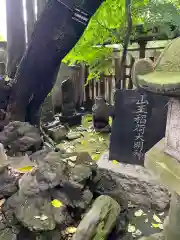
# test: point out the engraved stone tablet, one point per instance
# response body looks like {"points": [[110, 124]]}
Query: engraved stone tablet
{"points": [[172, 137]]}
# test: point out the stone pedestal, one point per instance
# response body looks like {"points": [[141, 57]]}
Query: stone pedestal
{"points": [[72, 120], [163, 161]]}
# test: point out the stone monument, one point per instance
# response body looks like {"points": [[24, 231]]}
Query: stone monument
{"points": [[163, 160], [68, 113], [100, 113]]}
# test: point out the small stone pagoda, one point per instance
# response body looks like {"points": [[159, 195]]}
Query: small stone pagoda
{"points": [[163, 160]]}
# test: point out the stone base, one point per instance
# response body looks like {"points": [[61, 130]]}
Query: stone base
{"points": [[165, 168], [71, 120], [140, 186]]}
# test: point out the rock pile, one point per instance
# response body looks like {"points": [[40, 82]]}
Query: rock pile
{"points": [[66, 195], [53, 197]]}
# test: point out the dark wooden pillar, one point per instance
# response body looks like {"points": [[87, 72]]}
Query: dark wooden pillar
{"points": [[15, 35]]}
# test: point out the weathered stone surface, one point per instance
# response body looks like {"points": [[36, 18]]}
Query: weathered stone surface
{"points": [[5, 90], [7, 234], [50, 173], [99, 221], [85, 159], [35, 213], [39, 155], [2, 114], [171, 227], [165, 168], [25, 234], [81, 173], [17, 163], [50, 235], [73, 197], [46, 110], [68, 104], [20, 137], [158, 236], [58, 133], [139, 186], [3, 224], [8, 182], [62, 216], [3, 156]]}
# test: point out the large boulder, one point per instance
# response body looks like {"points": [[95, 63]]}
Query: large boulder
{"points": [[49, 173], [20, 137], [34, 213], [99, 221]]}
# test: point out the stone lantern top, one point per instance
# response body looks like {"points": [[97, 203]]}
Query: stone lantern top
{"points": [[163, 77]]}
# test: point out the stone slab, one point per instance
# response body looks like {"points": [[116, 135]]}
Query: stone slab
{"points": [[165, 168]]}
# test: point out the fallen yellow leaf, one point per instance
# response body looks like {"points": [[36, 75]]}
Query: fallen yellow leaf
{"points": [[25, 169], [56, 203], [157, 225], [115, 162]]}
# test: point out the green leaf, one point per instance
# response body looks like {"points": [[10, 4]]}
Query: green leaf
{"points": [[109, 25]]}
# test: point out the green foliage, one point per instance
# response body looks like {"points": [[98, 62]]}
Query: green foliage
{"points": [[109, 25]]}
